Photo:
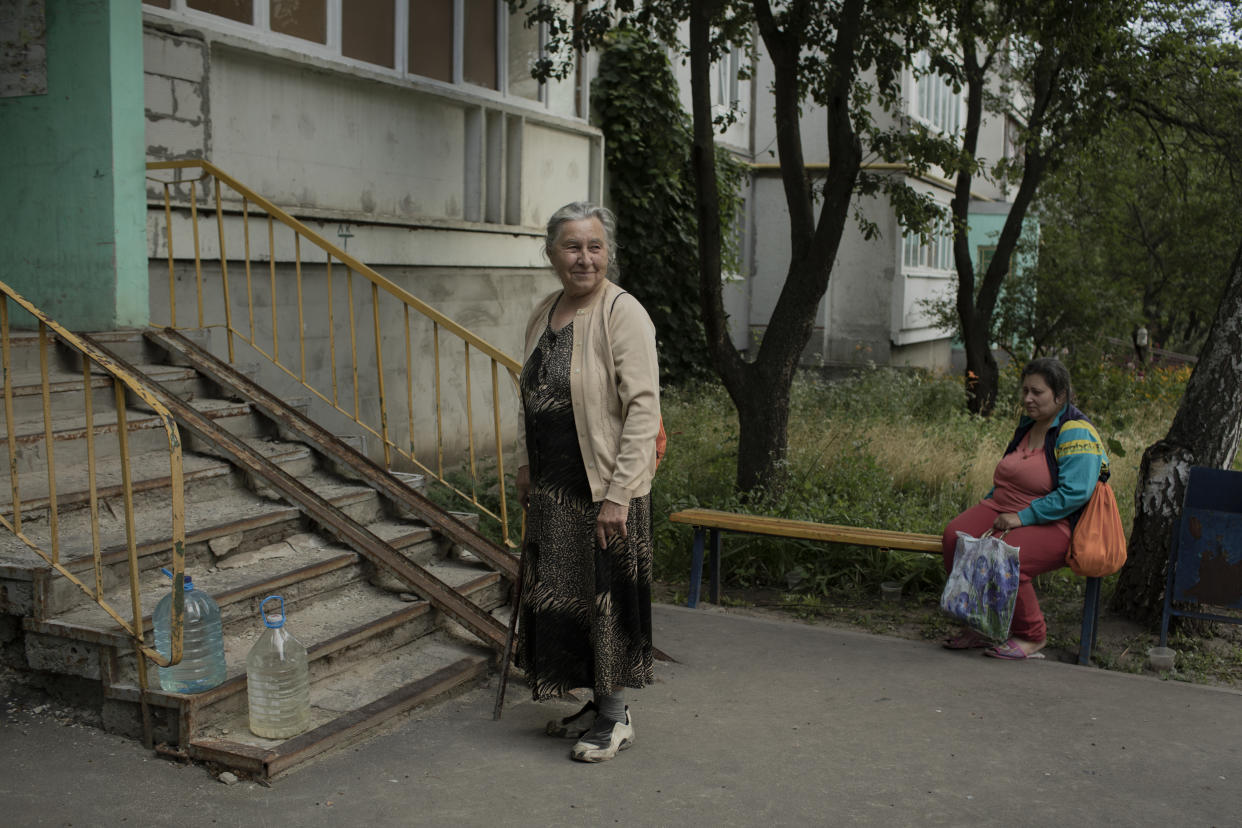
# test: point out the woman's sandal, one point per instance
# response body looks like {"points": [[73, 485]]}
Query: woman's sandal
{"points": [[1011, 650], [966, 640]]}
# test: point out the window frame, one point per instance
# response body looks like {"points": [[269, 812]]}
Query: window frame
{"points": [[933, 94], [928, 256], [260, 31]]}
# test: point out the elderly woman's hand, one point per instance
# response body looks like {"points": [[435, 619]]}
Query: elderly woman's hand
{"points": [[1006, 521], [611, 522]]}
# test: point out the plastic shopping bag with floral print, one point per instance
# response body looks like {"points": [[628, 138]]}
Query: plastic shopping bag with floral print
{"points": [[983, 585]]}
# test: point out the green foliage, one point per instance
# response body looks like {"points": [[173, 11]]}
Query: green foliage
{"points": [[647, 151], [1143, 222], [1137, 218]]}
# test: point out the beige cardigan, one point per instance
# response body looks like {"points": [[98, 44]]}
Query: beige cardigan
{"points": [[614, 385]]}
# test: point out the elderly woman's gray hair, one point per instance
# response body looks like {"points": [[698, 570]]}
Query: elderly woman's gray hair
{"points": [[577, 211]]}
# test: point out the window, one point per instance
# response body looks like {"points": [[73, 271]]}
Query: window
{"points": [[305, 19], [431, 39], [727, 70], [935, 101], [525, 46], [477, 42], [366, 31], [931, 252], [240, 10], [1014, 149]]}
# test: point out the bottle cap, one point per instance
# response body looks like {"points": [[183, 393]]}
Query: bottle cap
{"points": [[273, 621], [188, 581]]}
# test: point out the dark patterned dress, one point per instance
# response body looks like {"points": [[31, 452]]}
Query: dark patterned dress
{"points": [[586, 620]]}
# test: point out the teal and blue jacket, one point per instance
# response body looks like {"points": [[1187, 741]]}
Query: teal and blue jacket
{"points": [[1076, 458]]}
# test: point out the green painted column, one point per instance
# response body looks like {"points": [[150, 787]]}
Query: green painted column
{"points": [[72, 195]]}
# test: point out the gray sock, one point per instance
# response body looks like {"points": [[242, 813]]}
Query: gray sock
{"points": [[611, 706]]}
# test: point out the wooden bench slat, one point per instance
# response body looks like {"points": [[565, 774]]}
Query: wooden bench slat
{"points": [[719, 522], [807, 530]]}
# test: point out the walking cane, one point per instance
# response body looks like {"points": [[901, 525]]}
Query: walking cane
{"points": [[519, 588]]}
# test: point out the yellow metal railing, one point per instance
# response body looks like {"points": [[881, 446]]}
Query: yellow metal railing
{"points": [[325, 352], [41, 494]]}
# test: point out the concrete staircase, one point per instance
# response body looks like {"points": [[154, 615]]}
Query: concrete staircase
{"points": [[371, 572]]}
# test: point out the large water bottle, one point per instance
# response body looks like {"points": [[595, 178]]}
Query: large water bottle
{"points": [[202, 644], [277, 679]]}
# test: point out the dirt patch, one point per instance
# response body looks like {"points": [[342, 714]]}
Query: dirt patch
{"points": [[1214, 658]]}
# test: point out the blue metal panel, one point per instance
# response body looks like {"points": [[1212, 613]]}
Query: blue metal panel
{"points": [[1209, 559], [1205, 554]]}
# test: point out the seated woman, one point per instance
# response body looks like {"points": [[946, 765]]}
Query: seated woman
{"points": [[1040, 487]]}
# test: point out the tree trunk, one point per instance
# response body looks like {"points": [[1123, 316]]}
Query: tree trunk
{"points": [[1205, 432], [975, 308], [760, 390], [982, 373], [763, 418]]}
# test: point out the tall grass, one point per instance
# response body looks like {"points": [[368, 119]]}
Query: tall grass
{"points": [[886, 449]]}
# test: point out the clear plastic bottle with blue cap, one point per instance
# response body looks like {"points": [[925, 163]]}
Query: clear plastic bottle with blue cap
{"points": [[277, 679], [202, 644]]}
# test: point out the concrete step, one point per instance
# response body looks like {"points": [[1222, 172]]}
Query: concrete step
{"points": [[371, 656], [65, 394], [24, 349], [376, 648], [223, 521], [204, 480], [344, 631], [349, 706], [144, 432], [300, 567]]}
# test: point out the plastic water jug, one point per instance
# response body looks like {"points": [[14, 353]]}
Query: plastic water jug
{"points": [[277, 679], [202, 644]]}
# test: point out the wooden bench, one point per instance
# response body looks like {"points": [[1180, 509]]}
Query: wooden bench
{"points": [[716, 523]]}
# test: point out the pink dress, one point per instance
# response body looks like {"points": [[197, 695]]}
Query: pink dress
{"points": [[1020, 477]]}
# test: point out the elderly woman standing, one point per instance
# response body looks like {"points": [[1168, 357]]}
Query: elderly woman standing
{"points": [[1041, 484], [586, 454]]}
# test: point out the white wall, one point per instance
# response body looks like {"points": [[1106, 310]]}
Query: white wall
{"points": [[444, 191]]}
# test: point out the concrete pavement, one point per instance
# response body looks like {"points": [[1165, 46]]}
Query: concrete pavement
{"points": [[759, 723]]}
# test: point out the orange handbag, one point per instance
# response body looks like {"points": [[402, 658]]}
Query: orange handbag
{"points": [[1098, 545], [661, 443]]}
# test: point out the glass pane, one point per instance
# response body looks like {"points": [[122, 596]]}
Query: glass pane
{"points": [[159, 4], [240, 10], [480, 47], [367, 31], [431, 39], [523, 51], [307, 19]]}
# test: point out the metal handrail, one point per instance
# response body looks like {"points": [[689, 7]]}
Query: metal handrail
{"points": [[380, 288], [122, 381]]}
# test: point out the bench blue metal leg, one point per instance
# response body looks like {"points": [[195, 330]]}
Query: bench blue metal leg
{"points": [[715, 566], [1090, 615], [696, 567]]}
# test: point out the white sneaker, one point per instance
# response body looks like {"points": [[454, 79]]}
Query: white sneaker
{"points": [[604, 740]]}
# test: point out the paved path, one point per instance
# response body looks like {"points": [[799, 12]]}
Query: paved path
{"points": [[760, 723]]}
